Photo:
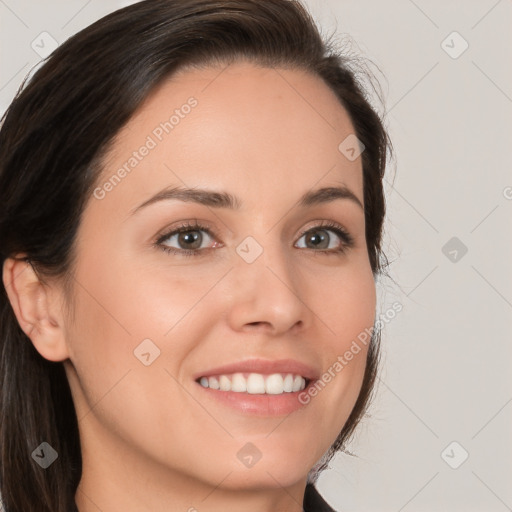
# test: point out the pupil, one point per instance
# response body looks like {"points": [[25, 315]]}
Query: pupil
{"points": [[189, 237], [317, 239]]}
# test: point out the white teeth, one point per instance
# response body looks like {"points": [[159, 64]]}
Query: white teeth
{"points": [[225, 383], [256, 383], [212, 383], [298, 383], [238, 383], [274, 384], [288, 383]]}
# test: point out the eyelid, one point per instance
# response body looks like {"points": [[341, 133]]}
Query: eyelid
{"points": [[318, 224], [187, 225], [197, 225]]}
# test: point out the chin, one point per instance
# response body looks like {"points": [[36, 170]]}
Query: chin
{"points": [[270, 467], [266, 476]]}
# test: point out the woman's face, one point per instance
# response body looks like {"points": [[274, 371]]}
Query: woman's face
{"points": [[150, 320]]}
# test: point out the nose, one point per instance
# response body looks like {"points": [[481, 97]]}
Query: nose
{"points": [[268, 294]]}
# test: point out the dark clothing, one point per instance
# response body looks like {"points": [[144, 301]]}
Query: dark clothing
{"points": [[313, 502]]}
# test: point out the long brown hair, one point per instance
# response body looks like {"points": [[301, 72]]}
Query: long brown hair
{"points": [[52, 139]]}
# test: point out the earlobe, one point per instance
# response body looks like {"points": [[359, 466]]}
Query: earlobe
{"points": [[36, 308]]}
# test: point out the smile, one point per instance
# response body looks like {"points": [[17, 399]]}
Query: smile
{"points": [[256, 383]]}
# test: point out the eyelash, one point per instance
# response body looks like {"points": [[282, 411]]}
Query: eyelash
{"points": [[348, 240]]}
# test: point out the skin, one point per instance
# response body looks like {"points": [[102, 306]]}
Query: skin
{"points": [[151, 441]]}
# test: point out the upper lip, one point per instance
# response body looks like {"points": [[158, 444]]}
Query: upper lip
{"points": [[262, 366]]}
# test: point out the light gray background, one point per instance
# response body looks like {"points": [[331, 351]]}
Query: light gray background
{"points": [[446, 372]]}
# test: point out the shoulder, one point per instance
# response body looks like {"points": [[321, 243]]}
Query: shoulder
{"points": [[313, 502]]}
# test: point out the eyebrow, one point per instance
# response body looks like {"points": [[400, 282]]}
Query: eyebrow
{"points": [[226, 200]]}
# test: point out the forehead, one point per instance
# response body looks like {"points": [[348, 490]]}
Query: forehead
{"points": [[241, 127]]}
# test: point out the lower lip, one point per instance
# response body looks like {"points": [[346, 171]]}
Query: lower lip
{"points": [[258, 404]]}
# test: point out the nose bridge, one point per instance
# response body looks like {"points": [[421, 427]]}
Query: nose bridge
{"points": [[263, 256], [267, 290]]}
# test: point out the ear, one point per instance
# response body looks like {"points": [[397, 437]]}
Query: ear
{"points": [[37, 308]]}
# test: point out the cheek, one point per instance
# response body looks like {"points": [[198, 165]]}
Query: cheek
{"points": [[349, 315], [116, 394], [120, 304], [347, 307], [118, 308]]}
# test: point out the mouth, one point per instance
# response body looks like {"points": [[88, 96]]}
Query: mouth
{"points": [[260, 387], [255, 383]]}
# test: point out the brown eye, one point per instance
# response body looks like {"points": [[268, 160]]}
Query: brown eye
{"points": [[327, 239], [190, 239], [319, 239]]}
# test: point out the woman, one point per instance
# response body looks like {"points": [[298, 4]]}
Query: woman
{"points": [[191, 212]]}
